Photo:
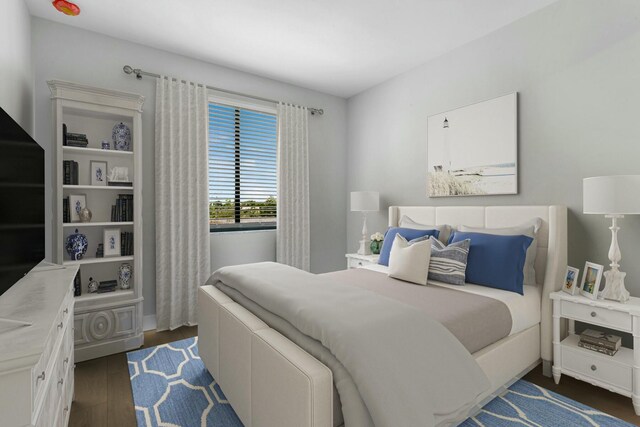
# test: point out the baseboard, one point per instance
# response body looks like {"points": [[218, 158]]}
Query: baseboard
{"points": [[149, 322]]}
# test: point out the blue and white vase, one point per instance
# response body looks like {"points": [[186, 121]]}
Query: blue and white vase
{"points": [[121, 135], [124, 275], [76, 246]]}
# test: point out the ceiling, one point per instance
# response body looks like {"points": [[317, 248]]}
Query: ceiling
{"points": [[340, 47]]}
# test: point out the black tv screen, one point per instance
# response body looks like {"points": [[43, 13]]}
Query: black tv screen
{"points": [[21, 202]]}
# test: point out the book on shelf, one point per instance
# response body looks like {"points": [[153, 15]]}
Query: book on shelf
{"points": [[598, 348], [107, 286], [123, 209], [126, 243], [66, 213], [120, 183], [600, 338], [79, 144], [78, 136], [70, 172]]}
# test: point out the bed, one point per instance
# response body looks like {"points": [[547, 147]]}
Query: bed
{"points": [[271, 381]]}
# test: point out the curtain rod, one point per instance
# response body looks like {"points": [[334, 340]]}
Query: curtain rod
{"points": [[139, 73]]}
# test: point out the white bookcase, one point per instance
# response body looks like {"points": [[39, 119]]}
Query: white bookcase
{"points": [[110, 322]]}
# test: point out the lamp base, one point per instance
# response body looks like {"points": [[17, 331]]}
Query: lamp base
{"points": [[614, 286], [365, 247]]}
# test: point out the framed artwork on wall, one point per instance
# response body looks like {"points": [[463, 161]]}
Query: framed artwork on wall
{"points": [[473, 150]]}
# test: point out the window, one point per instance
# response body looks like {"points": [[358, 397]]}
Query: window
{"points": [[242, 168]]}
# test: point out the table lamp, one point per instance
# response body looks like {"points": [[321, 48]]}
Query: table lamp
{"points": [[614, 197], [365, 201]]}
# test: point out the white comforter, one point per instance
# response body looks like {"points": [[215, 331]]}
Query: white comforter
{"points": [[408, 370]]}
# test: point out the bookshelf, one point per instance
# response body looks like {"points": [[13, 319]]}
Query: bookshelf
{"points": [[109, 322]]}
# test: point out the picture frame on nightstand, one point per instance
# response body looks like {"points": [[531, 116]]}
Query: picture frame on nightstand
{"points": [[591, 277], [571, 280]]}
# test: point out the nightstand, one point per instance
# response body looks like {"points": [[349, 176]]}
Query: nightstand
{"points": [[357, 261], [619, 373]]}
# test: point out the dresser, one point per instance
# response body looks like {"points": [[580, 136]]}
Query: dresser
{"points": [[619, 373], [36, 348]]}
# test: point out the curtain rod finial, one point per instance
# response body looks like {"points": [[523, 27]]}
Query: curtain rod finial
{"points": [[130, 70]]}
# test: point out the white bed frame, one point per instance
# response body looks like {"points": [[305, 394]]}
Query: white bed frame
{"points": [[270, 381]]}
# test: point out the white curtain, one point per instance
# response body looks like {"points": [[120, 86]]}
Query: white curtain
{"points": [[293, 187], [182, 204]]}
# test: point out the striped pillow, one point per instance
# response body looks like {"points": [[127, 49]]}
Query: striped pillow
{"points": [[448, 263]]}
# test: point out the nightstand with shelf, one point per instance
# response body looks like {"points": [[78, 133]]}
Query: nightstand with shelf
{"points": [[357, 260], [619, 373]]}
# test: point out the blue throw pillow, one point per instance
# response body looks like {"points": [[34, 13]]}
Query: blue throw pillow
{"points": [[408, 233], [495, 261]]}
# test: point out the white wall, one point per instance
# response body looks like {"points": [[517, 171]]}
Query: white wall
{"points": [[16, 76], [576, 67], [67, 53]]}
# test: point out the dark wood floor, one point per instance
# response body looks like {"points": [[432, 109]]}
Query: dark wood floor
{"points": [[103, 390]]}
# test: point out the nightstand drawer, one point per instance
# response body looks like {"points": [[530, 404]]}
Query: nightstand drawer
{"points": [[597, 368], [597, 316], [355, 263]]}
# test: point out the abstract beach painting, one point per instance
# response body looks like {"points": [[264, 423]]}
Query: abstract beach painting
{"points": [[473, 150]]}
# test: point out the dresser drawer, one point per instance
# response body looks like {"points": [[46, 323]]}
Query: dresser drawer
{"points": [[597, 316], [43, 369], [597, 368]]}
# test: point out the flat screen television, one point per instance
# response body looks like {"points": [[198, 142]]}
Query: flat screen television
{"points": [[22, 207]]}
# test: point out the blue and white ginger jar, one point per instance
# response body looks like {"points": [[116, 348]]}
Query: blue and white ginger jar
{"points": [[76, 246], [121, 135], [124, 274]]}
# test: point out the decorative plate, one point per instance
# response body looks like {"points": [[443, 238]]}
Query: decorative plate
{"points": [[121, 135]]}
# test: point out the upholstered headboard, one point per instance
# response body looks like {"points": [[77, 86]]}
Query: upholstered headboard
{"points": [[551, 258]]}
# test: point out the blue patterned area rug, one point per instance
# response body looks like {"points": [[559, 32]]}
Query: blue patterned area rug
{"points": [[172, 387]]}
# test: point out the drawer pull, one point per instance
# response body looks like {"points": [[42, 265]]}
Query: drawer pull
{"points": [[60, 325], [360, 263], [66, 360], [61, 381], [594, 314], [66, 408], [40, 377], [594, 367], [66, 311]]}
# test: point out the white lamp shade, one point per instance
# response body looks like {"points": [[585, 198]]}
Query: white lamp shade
{"points": [[607, 195], [365, 201]]}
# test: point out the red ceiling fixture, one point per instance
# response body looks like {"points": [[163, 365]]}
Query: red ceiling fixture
{"points": [[66, 7]]}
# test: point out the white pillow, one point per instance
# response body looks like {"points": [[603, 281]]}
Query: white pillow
{"points": [[444, 229], [410, 261], [529, 229]]}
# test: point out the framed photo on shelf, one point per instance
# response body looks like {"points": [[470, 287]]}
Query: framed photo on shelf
{"points": [[98, 170], [77, 202], [112, 242], [591, 278], [571, 280]]}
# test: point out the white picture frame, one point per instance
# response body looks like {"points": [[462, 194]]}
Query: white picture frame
{"points": [[111, 242], [77, 202], [571, 278], [473, 150], [591, 278], [98, 171]]}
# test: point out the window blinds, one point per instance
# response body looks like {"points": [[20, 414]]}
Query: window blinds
{"points": [[242, 168]]}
